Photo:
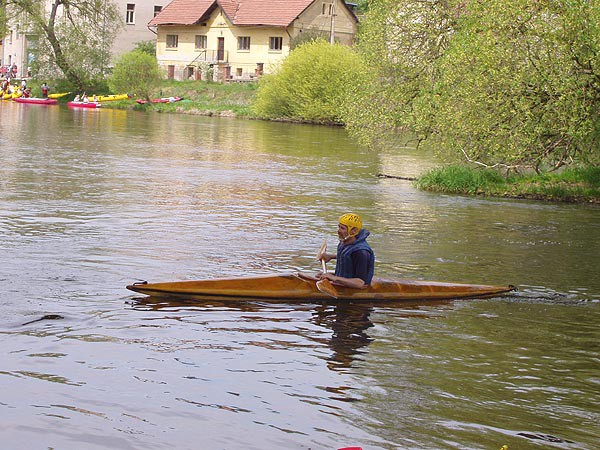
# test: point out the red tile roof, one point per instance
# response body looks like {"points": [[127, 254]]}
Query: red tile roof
{"points": [[183, 12], [277, 13]]}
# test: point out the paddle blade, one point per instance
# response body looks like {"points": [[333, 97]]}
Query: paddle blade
{"points": [[326, 287]]}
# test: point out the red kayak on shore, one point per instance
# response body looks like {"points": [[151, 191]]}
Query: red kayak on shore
{"points": [[84, 104], [160, 100], [36, 100]]}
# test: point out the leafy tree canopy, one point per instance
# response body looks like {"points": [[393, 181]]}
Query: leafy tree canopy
{"points": [[312, 83], [136, 73], [509, 83], [74, 36]]}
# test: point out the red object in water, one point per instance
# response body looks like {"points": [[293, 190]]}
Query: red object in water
{"points": [[84, 104], [37, 101], [350, 448]]}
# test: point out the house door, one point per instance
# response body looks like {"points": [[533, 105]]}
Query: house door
{"points": [[221, 49], [171, 72]]}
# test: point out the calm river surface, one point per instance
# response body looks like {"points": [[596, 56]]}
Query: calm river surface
{"points": [[93, 200]]}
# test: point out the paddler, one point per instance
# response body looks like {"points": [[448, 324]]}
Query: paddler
{"points": [[355, 260]]}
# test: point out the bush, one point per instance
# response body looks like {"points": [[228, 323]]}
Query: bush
{"points": [[136, 73], [312, 84]]}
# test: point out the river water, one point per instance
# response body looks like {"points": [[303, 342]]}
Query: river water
{"points": [[93, 200]]}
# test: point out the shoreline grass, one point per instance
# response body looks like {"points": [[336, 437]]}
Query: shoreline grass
{"points": [[199, 97], [573, 185]]}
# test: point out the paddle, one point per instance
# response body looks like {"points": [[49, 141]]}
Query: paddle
{"points": [[325, 285]]}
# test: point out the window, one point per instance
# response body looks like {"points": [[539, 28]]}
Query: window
{"points": [[157, 9], [130, 13], [275, 44], [327, 9], [244, 43], [172, 40], [239, 72], [200, 41]]}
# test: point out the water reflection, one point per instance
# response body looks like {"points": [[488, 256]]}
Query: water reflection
{"points": [[348, 324]]}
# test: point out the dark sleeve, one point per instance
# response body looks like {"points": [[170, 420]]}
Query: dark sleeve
{"points": [[360, 263]]}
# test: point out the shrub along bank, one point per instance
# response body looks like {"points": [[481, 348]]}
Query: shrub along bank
{"points": [[580, 184]]}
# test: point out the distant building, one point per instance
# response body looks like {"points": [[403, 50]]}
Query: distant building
{"points": [[19, 42], [242, 39]]}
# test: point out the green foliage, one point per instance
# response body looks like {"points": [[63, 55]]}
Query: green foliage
{"points": [[306, 36], [148, 47], [509, 83], [135, 73], [574, 184], [312, 84], [74, 36], [459, 179]]}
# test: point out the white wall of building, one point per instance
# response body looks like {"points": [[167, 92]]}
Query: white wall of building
{"points": [[16, 43]]}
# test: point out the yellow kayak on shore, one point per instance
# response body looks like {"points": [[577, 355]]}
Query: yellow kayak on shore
{"points": [[112, 97], [58, 95], [299, 287]]}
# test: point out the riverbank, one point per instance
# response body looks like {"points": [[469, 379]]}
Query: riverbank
{"points": [[574, 185], [199, 97], [235, 100]]}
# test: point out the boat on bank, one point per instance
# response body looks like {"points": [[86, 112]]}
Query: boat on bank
{"points": [[300, 287], [111, 97], [36, 100], [58, 95], [84, 104], [160, 100]]}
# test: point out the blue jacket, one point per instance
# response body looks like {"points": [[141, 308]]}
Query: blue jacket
{"points": [[344, 264]]}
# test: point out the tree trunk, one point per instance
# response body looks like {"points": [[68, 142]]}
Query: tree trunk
{"points": [[59, 56]]}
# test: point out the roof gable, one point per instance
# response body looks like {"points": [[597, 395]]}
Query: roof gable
{"points": [[277, 13], [183, 12]]}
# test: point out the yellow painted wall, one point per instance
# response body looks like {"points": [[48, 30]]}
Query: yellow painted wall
{"points": [[244, 61]]}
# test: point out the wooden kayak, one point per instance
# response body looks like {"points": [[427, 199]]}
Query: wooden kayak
{"points": [[299, 287], [36, 100]]}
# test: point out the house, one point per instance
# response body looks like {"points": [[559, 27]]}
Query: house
{"points": [[242, 39], [21, 43]]}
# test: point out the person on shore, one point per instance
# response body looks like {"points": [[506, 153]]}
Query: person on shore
{"points": [[355, 259], [45, 89]]}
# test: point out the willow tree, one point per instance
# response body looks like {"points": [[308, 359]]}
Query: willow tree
{"points": [[74, 36], [509, 83]]}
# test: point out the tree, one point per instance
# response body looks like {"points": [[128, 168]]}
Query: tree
{"points": [[135, 72], [509, 83], [146, 47], [312, 83], [75, 36]]}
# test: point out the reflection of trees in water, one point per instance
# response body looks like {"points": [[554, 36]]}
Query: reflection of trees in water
{"points": [[348, 323]]}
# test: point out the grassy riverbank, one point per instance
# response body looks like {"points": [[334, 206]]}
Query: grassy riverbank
{"points": [[236, 99], [581, 185], [199, 97]]}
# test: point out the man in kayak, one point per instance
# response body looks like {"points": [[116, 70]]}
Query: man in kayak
{"points": [[355, 260]]}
